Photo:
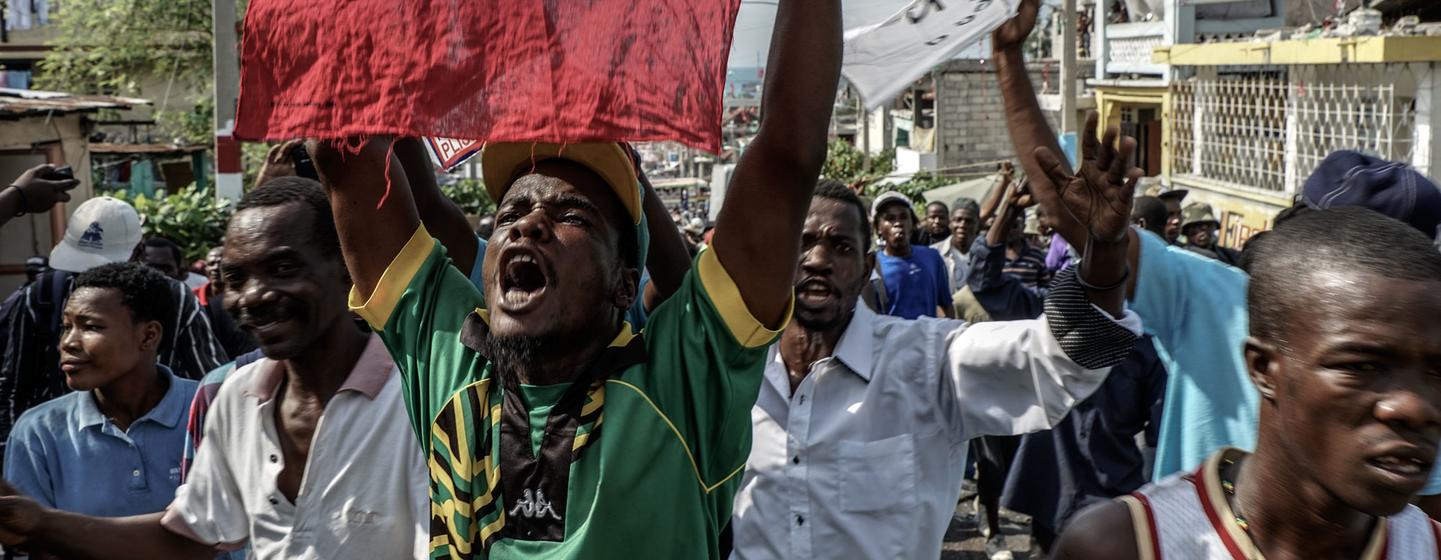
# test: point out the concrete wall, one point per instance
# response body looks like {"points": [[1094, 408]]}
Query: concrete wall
{"points": [[970, 120]]}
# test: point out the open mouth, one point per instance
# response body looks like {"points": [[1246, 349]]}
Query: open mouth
{"points": [[814, 292], [1403, 468], [1401, 465], [522, 281]]}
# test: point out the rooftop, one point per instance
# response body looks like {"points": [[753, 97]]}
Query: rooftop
{"points": [[16, 103]]}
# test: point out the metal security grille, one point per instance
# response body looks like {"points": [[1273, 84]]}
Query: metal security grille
{"points": [[1247, 131]]}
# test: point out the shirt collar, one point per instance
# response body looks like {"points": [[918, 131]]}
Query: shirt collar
{"points": [[368, 377], [854, 349], [167, 412]]}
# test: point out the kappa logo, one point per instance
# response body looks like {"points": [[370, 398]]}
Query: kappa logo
{"points": [[94, 237], [533, 506]]}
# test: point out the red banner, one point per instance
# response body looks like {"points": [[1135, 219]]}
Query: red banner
{"points": [[490, 70]]}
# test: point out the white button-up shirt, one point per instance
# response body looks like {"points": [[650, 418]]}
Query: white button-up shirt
{"points": [[958, 264], [865, 459], [364, 492]]}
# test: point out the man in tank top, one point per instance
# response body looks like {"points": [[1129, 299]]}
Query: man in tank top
{"points": [[1345, 350]]}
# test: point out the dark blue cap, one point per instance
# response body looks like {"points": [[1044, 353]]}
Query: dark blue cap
{"points": [[1349, 178]]}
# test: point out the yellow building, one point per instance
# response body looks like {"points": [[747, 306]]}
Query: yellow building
{"points": [[1224, 104]]}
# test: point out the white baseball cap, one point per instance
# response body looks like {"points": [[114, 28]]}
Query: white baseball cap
{"points": [[889, 197], [103, 230]]}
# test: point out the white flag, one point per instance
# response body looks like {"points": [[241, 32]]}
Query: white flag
{"points": [[882, 60]]}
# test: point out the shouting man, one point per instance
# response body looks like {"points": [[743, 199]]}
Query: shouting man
{"points": [[863, 422], [550, 429]]}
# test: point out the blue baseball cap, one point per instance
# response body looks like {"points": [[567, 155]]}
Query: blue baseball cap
{"points": [[1350, 178]]}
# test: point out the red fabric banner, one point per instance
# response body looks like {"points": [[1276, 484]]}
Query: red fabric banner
{"points": [[491, 70]]}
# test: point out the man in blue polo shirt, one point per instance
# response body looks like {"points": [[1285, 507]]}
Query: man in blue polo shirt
{"points": [[112, 447]]}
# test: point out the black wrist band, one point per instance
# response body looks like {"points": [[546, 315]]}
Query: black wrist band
{"points": [[24, 202], [1080, 279]]}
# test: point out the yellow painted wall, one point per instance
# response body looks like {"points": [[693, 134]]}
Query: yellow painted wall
{"points": [[1242, 213]]}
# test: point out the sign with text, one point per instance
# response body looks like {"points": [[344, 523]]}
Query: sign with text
{"points": [[882, 60], [450, 152]]}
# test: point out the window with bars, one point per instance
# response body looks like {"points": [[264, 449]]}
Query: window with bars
{"points": [[1245, 131]]}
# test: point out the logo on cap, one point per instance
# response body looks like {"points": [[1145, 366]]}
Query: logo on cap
{"points": [[94, 237]]}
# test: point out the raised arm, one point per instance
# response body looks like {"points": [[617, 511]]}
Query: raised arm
{"points": [[993, 199], [1090, 207], [667, 259], [758, 232], [1024, 118], [442, 218], [372, 233], [35, 191]]}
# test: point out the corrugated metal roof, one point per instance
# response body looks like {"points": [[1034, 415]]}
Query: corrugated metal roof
{"points": [[22, 102], [162, 149]]}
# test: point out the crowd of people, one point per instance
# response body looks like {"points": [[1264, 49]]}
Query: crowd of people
{"points": [[814, 375]]}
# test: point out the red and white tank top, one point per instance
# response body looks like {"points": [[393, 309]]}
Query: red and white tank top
{"points": [[1187, 517]]}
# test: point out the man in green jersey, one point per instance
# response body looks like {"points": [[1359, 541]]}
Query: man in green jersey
{"points": [[550, 430]]}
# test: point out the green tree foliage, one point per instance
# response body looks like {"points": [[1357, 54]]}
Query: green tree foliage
{"points": [[115, 46], [470, 196], [191, 218], [913, 188], [847, 164]]}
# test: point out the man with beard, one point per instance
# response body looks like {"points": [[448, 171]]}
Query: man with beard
{"points": [[551, 430], [1346, 353], [862, 426], [269, 472]]}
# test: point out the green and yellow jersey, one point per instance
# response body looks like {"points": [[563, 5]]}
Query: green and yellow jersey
{"points": [[640, 458]]}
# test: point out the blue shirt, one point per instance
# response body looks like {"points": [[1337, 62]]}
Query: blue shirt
{"points": [[66, 455], [915, 285], [1196, 309]]}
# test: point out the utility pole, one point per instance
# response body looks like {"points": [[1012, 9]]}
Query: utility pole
{"points": [[1068, 67], [229, 181]]}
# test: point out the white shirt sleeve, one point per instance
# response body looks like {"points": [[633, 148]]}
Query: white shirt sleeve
{"points": [[1012, 377], [209, 508]]}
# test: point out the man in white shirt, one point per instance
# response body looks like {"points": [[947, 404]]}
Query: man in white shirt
{"points": [[955, 250], [862, 424], [307, 454]]}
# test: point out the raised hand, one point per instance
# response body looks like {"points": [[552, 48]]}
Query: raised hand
{"points": [[278, 162], [1098, 197], [43, 186], [1014, 32]]}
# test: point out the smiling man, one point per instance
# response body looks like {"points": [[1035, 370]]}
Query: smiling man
{"points": [[269, 473], [551, 430], [1346, 355]]}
